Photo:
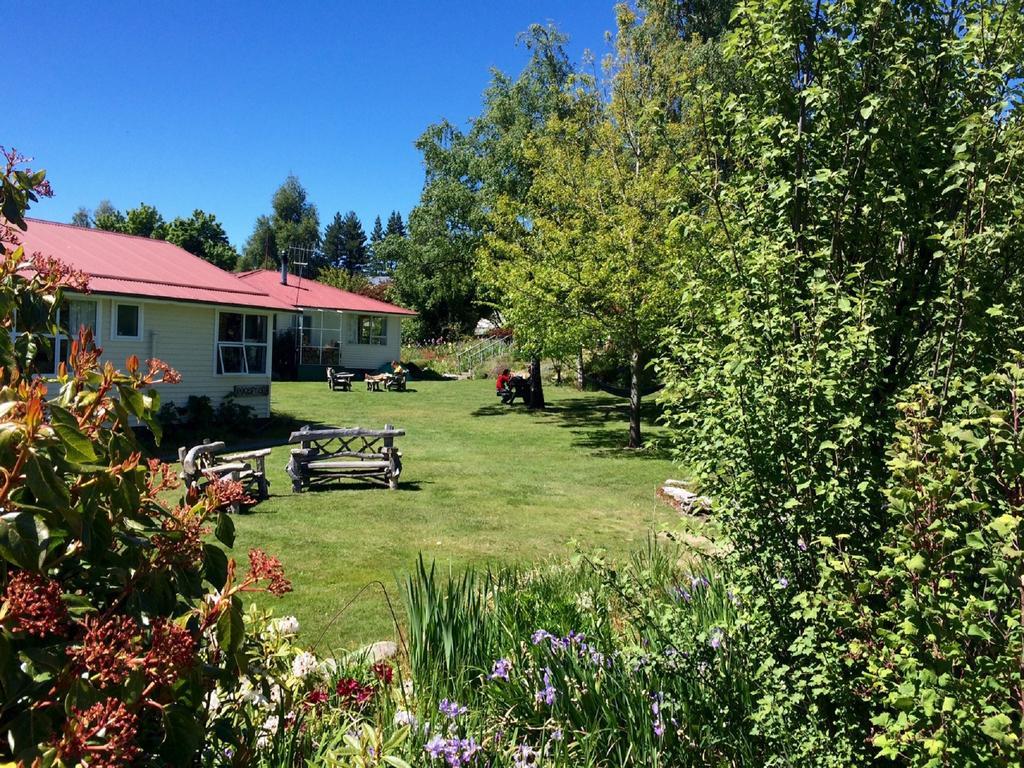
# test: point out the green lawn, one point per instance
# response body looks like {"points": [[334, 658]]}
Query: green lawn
{"points": [[482, 483]]}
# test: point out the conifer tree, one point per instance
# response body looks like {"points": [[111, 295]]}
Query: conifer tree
{"points": [[395, 225]]}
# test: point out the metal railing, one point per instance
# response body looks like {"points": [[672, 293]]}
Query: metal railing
{"points": [[483, 351]]}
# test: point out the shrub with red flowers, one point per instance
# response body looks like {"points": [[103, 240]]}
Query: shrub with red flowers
{"points": [[117, 617]]}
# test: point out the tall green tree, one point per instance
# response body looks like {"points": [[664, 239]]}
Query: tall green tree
{"points": [[293, 228], [106, 216], [395, 225], [377, 233], [202, 235], [581, 255], [144, 221], [345, 245], [81, 217]]}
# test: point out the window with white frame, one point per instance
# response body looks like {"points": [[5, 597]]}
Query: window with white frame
{"points": [[241, 343], [55, 348], [127, 322], [371, 329]]}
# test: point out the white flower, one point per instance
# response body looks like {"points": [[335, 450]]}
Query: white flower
{"points": [[402, 717], [249, 694], [214, 702], [303, 664], [285, 626], [268, 730]]}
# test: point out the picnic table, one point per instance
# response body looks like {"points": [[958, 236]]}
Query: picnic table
{"points": [[339, 380], [395, 382], [352, 453]]}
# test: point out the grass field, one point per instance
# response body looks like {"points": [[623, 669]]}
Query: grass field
{"points": [[482, 483]]}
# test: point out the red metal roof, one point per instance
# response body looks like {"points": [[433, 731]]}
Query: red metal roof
{"points": [[304, 293], [140, 266]]}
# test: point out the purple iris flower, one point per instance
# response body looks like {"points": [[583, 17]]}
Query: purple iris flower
{"points": [[501, 669], [717, 638], [452, 709], [783, 582], [546, 695]]}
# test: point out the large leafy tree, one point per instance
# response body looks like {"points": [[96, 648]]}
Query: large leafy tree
{"points": [[857, 237], [467, 173], [106, 216], [202, 235], [581, 254], [292, 228]]}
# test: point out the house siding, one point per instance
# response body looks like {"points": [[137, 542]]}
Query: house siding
{"points": [[183, 336]]}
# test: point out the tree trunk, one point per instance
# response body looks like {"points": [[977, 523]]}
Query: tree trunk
{"points": [[579, 369], [536, 385], [634, 400]]}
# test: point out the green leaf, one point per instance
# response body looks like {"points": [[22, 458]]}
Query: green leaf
{"points": [[46, 486], [77, 446], [231, 627], [995, 728], [225, 530], [23, 538]]}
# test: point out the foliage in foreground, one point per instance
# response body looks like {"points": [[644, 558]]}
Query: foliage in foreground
{"points": [[851, 279], [117, 617]]}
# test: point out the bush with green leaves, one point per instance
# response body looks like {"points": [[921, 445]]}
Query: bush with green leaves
{"points": [[850, 228], [117, 616], [935, 627]]}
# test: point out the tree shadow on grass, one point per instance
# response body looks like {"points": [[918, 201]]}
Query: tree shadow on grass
{"points": [[600, 423]]}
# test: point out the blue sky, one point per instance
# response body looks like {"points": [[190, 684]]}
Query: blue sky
{"points": [[211, 104]]}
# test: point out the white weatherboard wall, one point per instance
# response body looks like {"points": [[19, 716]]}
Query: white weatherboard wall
{"points": [[183, 335], [328, 326], [370, 356]]}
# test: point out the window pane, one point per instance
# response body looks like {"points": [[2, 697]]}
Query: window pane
{"points": [[127, 321], [230, 327], [43, 361], [256, 357], [255, 328], [232, 359], [81, 313]]}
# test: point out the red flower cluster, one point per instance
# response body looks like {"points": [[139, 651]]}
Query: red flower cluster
{"points": [[223, 492], [161, 477], [102, 736], [181, 544], [263, 566], [168, 375], [109, 650], [383, 672], [317, 697], [352, 693], [34, 605], [54, 272], [172, 651]]}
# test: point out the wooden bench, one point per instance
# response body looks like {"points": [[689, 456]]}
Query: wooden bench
{"points": [[396, 382], [345, 453], [339, 380], [207, 461], [374, 381]]}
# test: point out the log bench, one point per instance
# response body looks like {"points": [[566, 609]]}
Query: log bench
{"points": [[352, 453], [339, 380], [207, 461]]}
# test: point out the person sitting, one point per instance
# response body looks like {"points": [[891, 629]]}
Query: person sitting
{"points": [[501, 383]]}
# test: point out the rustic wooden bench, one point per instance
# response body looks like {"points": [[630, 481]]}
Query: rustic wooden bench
{"points": [[339, 380], [353, 453], [396, 382], [208, 461], [374, 381]]}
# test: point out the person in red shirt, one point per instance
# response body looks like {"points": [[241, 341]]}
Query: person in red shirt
{"points": [[501, 383]]}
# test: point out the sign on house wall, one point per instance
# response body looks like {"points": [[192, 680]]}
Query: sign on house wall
{"points": [[251, 390]]}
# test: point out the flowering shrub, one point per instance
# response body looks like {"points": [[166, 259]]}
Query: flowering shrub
{"points": [[117, 616]]}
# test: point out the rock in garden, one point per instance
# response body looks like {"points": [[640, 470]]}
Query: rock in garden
{"points": [[683, 499]]}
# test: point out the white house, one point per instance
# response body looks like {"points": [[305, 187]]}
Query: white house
{"points": [[153, 299], [328, 326]]}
